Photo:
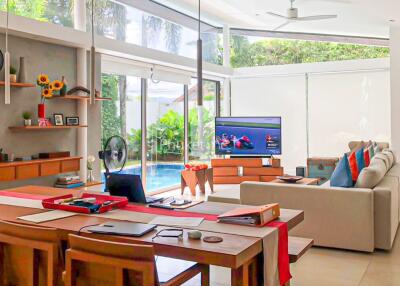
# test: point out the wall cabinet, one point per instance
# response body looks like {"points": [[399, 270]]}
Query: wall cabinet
{"points": [[11, 171]]}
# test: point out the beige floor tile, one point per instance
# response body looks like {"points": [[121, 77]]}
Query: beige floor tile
{"points": [[330, 267], [381, 274]]}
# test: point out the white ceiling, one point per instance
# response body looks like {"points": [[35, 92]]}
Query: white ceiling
{"points": [[368, 18]]}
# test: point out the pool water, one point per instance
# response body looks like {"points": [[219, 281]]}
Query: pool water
{"points": [[159, 176]]}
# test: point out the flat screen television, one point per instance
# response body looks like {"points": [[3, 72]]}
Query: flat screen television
{"points": [[248, 136]]}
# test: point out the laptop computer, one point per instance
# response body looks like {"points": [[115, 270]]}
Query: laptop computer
{"points": [[122, 228], [128, 185]]}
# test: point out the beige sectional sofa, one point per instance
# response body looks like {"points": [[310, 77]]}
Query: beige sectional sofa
{"points": [[348, 218]]}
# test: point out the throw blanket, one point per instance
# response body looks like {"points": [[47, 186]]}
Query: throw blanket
{"points": [[276, 258]]}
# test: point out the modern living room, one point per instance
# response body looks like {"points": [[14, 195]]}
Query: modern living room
{"points": [[190, 119]]}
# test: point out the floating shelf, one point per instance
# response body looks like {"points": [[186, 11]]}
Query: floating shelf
{"points": [[47, 128], [18, 84], [71, 97], [102, 98]]}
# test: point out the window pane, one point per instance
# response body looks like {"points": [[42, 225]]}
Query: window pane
{"points": [[257, 51], [53, 11], [165, 135], [134, 26], [356, 109], [122, 115], [201, 122]]}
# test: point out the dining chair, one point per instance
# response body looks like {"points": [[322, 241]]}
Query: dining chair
{"points": [[30, 255], [93, 262]]}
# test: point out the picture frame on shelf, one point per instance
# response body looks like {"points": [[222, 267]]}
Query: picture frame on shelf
{"points": [[72, 121], [58, 119]]}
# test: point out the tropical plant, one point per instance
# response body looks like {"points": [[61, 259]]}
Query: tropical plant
{"points": [[110, 117]]}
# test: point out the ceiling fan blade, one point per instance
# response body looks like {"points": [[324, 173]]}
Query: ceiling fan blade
{"points": [[334, 1], [277, 15], [281, 26], [316, 17]]}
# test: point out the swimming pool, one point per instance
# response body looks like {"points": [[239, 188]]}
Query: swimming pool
{"points": [[159, 176]]}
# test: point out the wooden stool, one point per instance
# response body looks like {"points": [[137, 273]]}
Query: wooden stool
{"points": [[191, 179]]}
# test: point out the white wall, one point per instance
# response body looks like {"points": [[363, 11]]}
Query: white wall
{"points": [[395, 85], [347, 100]]}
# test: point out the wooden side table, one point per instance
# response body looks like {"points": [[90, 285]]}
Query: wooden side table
{"points": [[191, 179]]}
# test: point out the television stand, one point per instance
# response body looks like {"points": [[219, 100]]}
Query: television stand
{"points": [[238, 170]]}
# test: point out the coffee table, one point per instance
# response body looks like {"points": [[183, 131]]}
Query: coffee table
{"points": [[304, 181]]}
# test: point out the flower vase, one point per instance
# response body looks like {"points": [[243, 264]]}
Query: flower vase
{"points": [[41, 110], [90, 177]]}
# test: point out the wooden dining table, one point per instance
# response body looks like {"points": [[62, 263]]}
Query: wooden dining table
{"points": [[242, 254]]}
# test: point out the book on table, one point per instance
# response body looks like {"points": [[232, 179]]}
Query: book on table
{"points": [[253, 216]]}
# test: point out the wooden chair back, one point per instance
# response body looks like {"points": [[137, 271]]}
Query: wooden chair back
{"points": [[93, 262], [29, 255]]}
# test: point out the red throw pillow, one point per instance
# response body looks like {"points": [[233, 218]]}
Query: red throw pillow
{"points": [[353, 166], [366, 157]]}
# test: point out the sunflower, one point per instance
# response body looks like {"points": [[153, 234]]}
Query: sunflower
{"points": [[57, 85], [47, 93], [43, 79], [51, 86]]}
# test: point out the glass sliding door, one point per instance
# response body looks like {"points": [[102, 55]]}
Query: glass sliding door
{"points": [[122, 115], [165, 135], [201, 121]]}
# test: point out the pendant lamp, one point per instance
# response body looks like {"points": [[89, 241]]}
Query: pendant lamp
{"points": [[7, 96], [199, 64], [92, 61]]}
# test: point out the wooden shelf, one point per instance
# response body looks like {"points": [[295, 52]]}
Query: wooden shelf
{"points": [[71, 97], [102, 98], [47, 128], [18, 84]]}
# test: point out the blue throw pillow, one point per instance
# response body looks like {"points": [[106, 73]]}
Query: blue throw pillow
{"points": [[360, 159], [341, 176]]}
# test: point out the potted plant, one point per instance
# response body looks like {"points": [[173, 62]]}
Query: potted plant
{"points": [[27, 116], [13, 74]]}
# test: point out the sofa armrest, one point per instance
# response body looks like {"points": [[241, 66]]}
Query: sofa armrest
{"points": [[334, 217], [386, 204]]}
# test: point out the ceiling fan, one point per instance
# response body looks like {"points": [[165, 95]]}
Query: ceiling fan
{"points": [[292, 15]]}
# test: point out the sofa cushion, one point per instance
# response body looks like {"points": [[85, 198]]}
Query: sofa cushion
{"points": [[371, 175], [367, 159], [360, 159], [390, 155], [341, 176], [371, 152], [353, 166], [383, 157]]}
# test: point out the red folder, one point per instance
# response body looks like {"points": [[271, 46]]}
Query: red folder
{"points": [[256, 216]]}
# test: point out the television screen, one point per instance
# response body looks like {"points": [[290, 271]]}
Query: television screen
{"points": [[248, 136]]}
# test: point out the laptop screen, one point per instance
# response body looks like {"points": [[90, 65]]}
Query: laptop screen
{"points": [[126, 185]]}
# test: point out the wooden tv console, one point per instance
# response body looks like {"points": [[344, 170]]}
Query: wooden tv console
{"points": [[226, 171]]}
